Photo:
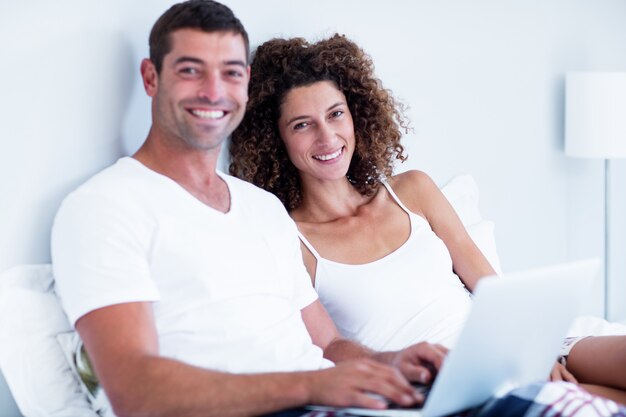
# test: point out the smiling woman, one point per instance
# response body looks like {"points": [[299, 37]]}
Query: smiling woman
{"points": [[388, 255], [317, 129], [368, 237], [259, 155]]}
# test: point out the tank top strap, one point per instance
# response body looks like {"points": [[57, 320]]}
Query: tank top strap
{"points": [[309, 246], [395, 197]]}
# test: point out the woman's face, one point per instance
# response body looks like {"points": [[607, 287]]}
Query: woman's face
{"points": [[316, 126]]}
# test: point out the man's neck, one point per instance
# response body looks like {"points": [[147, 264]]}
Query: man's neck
{"points": [[194, 170]]}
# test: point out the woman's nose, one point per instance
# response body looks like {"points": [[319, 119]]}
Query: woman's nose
{"points": [[325, 135]]}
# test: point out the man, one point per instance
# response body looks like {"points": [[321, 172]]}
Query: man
{"points": [[187, 285]]}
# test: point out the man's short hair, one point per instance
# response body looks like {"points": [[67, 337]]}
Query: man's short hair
{"points": [[205, 15]]}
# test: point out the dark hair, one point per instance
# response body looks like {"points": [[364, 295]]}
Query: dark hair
{"points": [[257, 152], [206, 15]]}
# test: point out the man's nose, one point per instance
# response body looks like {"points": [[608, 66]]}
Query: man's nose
{"points": [[212, 88]]}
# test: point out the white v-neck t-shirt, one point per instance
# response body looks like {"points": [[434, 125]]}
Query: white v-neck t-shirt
{"points": [[226, 288]]}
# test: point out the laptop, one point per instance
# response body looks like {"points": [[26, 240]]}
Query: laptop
{"points": [[512, 337]]}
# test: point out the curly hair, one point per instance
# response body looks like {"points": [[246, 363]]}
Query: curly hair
{"points": [[257, 152]]}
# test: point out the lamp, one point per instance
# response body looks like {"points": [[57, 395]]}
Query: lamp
{"points": [[595, 127]]}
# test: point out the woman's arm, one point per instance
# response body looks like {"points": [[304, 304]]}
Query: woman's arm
{"points": [[310, 263], [422, 196], [414, 362]]}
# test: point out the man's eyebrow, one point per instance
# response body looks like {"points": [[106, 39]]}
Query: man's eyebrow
{"points": [[188, 59], [194, 60], [237, 62]]}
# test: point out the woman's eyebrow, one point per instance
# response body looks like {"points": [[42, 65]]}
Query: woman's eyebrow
{"points": [[290, 121], [332, 106], [339, 103]]}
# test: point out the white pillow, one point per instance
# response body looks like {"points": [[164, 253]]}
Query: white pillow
{"points": [[595, 326], [462, 193], [81, 367], [32, 360]]}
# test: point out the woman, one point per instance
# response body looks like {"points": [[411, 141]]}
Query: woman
{"points": [[387, 254]]}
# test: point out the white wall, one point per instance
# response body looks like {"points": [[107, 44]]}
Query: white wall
{"points": [[483, 79]]}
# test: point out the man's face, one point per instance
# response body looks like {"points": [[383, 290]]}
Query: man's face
{"points": [[201, 93]]}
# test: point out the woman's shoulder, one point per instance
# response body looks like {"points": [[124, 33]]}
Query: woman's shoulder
{"points": [[412, 187], [412, 181], [412, 176]]}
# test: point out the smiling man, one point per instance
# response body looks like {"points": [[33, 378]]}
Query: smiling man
{"points": [[187, 285]]}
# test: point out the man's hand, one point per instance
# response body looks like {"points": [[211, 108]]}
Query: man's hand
{"points": [[560, 373], [418, 363], [352, 383]]}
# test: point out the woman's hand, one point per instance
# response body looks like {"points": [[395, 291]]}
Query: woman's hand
{"points": [[560, 373]]}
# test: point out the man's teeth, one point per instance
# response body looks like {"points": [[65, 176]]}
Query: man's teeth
{"points": [[208, 114], [328, 156]]}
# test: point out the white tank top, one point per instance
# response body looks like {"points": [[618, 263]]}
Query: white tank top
{"points": [[408, 296]]}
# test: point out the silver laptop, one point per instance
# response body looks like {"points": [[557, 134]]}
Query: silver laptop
{"points": [[511, 337]]}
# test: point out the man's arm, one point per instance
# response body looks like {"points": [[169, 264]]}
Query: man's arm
{"points": [[123, 346], [415, 362]]}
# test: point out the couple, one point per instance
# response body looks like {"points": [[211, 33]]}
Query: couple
{"points": [[187, 285]]}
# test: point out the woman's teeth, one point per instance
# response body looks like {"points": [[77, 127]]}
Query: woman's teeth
{"points": [[329, 156]]}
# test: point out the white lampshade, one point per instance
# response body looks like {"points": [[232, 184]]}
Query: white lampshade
{"points": [[595, 115]]}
